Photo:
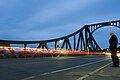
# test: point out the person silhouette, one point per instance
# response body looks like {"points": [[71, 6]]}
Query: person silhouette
{"points": [[113, 41]]}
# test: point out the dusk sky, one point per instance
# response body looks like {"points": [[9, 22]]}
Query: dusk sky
{"points": [[48, 19]]}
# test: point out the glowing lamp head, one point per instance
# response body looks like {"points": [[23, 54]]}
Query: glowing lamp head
{"points": [[60, 41]]}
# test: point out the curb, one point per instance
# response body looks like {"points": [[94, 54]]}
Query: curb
{"points": [[93, 72]]}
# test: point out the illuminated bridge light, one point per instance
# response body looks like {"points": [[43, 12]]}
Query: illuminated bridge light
{"points": [[108, 55], [49, 51]]}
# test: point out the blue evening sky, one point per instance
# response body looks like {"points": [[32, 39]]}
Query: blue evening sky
{"points": [[48, 19]]}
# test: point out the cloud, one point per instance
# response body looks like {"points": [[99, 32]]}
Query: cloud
{"points": [[54, 12], [46, 19]]}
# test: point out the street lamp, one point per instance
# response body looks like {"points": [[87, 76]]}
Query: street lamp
{"points": [[60, 41]]}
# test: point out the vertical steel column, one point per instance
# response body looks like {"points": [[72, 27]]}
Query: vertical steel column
{"points": [[86, 37], [45, 45], [42, 45], [78, 42], [82, 41], [68, 41], [66, 44], [63, 44], [74, 42], [39, 46], [55, 45], [25, 45]]}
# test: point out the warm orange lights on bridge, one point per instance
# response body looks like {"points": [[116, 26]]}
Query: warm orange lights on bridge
{"points": [[28, 50]]}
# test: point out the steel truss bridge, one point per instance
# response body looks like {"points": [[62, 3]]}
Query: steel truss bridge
{"points": [[78, 41]]}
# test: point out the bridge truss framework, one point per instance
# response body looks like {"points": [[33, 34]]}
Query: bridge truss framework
{"points": [[78, 41]]}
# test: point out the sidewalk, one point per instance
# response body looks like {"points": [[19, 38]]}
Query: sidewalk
{"points": [[108, 73]]}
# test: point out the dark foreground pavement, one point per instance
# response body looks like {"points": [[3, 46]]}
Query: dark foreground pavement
{"points": [[107, 73], [63, 68], [97, 71]]}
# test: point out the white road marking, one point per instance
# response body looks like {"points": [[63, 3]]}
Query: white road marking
{"points": [[56, 71], [44, 74], [91, 73]]}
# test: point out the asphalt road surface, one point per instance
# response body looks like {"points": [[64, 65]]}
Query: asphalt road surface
{"points": [[56, 68]]}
